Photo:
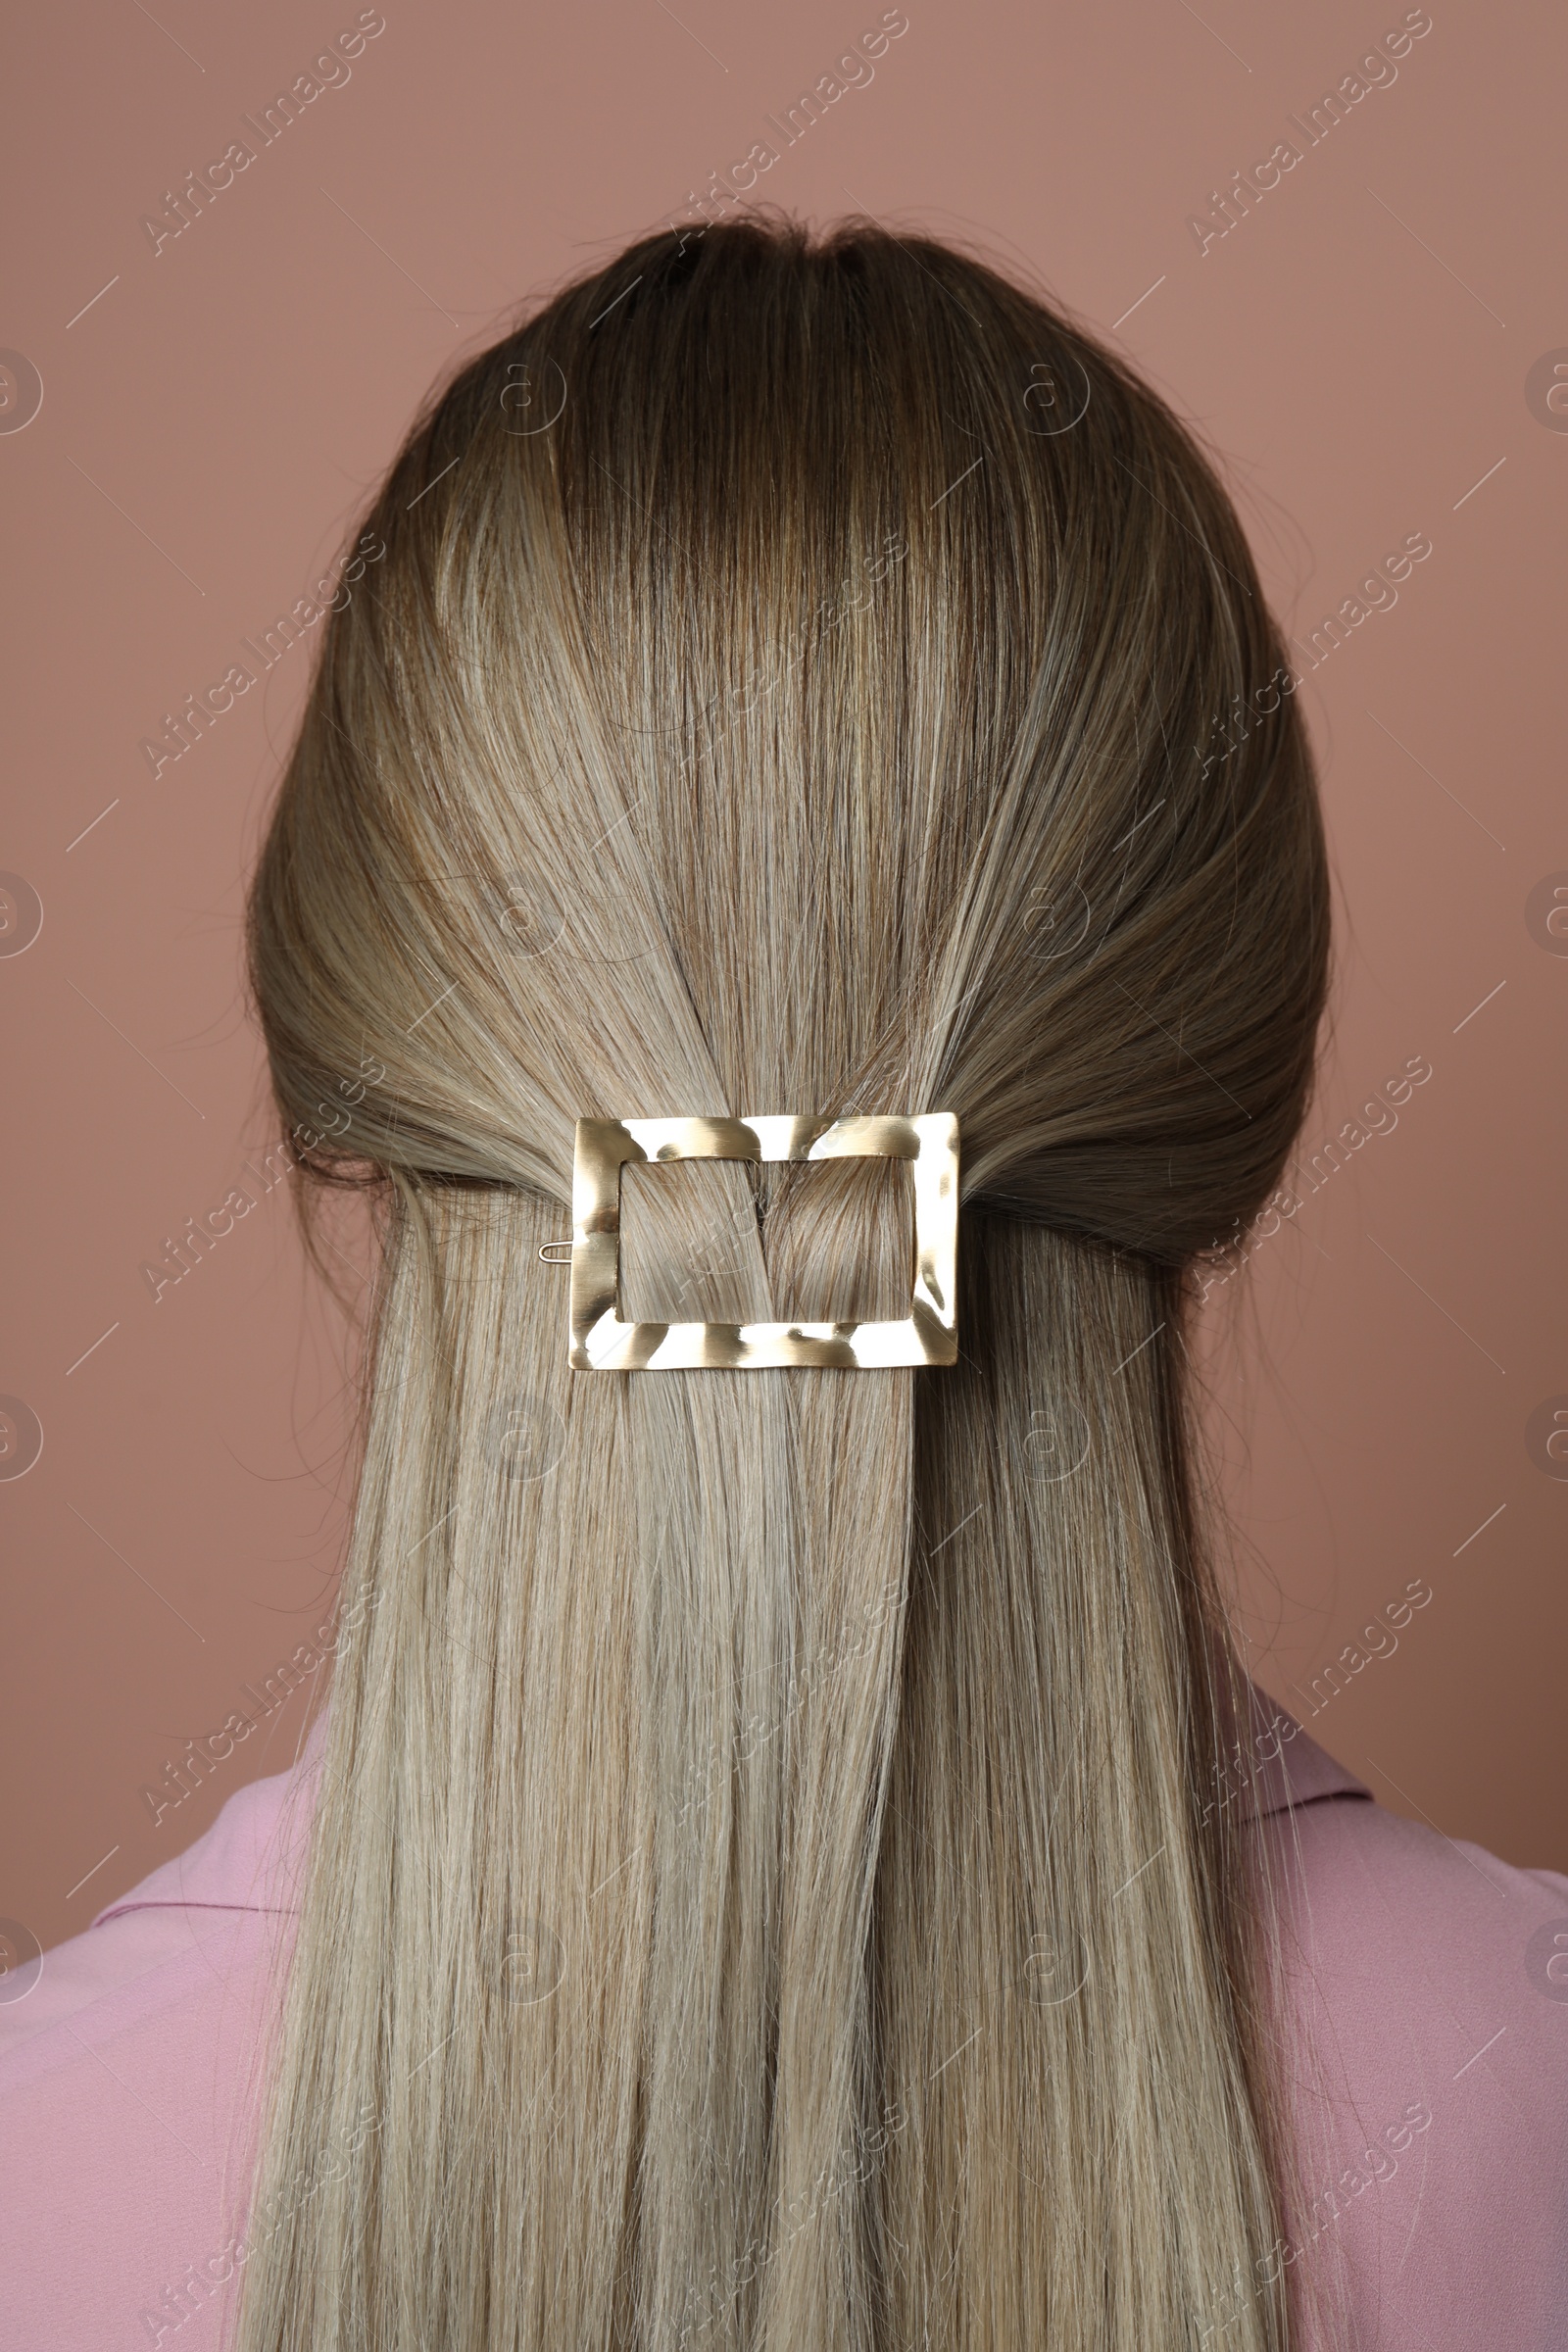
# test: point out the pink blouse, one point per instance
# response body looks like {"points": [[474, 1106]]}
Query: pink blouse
{"points": [[1426, 1982]]}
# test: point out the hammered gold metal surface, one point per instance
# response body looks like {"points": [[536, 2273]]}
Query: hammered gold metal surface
{"points": [[599, 1341]]}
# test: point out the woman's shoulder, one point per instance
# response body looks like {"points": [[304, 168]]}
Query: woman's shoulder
{"points": [[136, 1950], [130, 2064], [1355, 1886], [1424, 2050]]}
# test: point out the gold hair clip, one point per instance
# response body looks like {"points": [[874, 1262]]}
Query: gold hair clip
{"points": [[601, 1342]]}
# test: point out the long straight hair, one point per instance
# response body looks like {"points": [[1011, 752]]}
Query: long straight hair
{"points": [[765, 1887]]}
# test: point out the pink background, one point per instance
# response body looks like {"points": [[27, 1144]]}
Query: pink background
{"points": [[1358, 349]]}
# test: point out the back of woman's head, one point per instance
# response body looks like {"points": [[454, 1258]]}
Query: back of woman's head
{"points": [[765, 1887]]}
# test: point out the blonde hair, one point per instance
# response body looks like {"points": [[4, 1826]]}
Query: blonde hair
{"points": [[765, 1888]]}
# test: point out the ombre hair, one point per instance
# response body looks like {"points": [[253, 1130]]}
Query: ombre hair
{"points": [[765, 1888]]}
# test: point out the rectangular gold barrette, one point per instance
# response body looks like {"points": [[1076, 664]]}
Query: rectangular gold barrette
{"points": [[601, 1342]]}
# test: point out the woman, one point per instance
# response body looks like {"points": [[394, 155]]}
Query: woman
{"points": [[791, 1859]]}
